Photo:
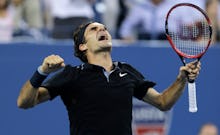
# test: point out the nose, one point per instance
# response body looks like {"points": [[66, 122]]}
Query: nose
{"points": [[102, 29]]}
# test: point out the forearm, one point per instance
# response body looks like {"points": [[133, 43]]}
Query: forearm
{"points": [[165, 100], [172, 93], [28, 96], [32, 93], [29, 92]]}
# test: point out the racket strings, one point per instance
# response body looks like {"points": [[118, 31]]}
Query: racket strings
{"points": [[192, 41], [190, 34]]}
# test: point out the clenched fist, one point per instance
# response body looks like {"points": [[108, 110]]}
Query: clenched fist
{"points": [[190, 70], [52, 63]]}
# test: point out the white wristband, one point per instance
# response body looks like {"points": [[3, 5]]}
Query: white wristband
{"points": [[40, 72]]}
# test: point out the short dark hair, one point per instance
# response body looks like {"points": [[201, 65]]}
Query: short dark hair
{"points": [[78, 37]]}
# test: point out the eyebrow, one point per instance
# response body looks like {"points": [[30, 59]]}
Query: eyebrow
{"points": [[94, 27]]}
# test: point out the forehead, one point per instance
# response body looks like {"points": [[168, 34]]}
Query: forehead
{"points": [[95, 24]]}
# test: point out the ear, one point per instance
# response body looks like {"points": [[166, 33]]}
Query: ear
{"points": [[82, 47]]}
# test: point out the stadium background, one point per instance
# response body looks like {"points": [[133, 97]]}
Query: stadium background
{"points": [[155, 60]]}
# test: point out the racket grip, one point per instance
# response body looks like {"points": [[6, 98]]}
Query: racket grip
{"points": [[192, 97]]}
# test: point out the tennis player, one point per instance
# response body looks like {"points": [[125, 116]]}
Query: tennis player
{"points": [[98, 93]]}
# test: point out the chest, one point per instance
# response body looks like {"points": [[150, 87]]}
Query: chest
{"points": [[98, 90]]}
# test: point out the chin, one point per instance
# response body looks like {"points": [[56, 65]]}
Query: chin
{"points": [[105, 48], [107, 44]]}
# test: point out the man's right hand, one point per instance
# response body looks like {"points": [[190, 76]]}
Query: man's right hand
{"points": [[52, 63]]}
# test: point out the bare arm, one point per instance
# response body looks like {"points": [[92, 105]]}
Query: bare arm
{"points": [[29, 95], [165, 100]]}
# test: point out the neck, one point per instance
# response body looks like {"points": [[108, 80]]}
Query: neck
{"points": [[102, 59]]}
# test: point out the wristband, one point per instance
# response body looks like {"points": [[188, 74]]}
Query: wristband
{"points": [[40, 72], [37, 79]]}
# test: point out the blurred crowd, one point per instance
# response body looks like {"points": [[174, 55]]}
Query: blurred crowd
{"points": [[127, 20]]}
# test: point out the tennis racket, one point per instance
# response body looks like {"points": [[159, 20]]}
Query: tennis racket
{"points": [[189, 32]]}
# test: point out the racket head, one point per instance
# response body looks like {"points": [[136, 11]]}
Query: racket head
{"points": [[188, 30]]}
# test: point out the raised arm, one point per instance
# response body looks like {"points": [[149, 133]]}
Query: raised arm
{"points": [[165, 100], [31, 93]]}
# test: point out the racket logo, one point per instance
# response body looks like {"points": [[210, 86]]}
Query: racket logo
{"points": [[122, 74], [192, 32]]}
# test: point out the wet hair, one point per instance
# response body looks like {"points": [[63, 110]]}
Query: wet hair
{"points": [[79, 38]]}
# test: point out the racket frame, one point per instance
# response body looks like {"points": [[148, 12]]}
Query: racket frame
{"points": [[181, 54], [191, 83]]}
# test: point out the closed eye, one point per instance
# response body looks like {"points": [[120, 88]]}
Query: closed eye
{"points": [[93, 28]]}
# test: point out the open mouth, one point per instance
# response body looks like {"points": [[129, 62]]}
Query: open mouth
{"points": [[103, 37]]}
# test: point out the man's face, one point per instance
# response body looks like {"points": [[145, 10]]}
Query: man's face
{"points": [[97, 38]]}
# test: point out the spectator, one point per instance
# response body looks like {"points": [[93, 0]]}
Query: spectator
{"points": [[123, 11], [146, 20], [114, 13], [208, 129], [110, 14], [28, 18], [6, 21], [212, 11], [211, 7], [218, 31], [200, 3], [67, 14]]}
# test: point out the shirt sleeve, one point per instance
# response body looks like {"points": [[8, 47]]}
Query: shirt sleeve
{"points": [[141, 84], [60, 82], [142, 88]]}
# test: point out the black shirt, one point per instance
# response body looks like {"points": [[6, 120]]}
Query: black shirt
{"points": [[98, 103]]}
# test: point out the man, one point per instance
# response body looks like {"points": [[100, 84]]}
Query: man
{"points": [[147, 19], [208, 129], [98, 94]]}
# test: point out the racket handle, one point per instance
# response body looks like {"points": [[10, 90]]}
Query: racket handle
{"points": [[192, 97]]}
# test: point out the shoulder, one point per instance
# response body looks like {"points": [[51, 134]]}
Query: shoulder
{"points": [[71, 68], [125, 65], [68, 71], [131, 69]]}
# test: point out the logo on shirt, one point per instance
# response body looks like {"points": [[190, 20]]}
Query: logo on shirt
{"points": [[122, 74]]}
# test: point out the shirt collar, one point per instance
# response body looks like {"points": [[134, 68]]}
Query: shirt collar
{"points": [[88, 66]]}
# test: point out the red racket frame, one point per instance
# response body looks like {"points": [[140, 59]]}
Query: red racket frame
{"points": [[170, 40]]}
